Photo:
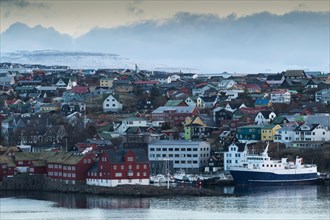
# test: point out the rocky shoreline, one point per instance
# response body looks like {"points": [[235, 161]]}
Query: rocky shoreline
{"points": [[43, 184]]}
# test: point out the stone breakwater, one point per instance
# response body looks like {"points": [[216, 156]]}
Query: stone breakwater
{"points": [[43, 184]]}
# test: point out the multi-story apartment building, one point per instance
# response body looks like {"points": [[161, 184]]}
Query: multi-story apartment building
{"points": [[180, 154]]}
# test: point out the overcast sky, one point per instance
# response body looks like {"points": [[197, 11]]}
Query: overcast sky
{"points": [[211, 36], [77, 17]]}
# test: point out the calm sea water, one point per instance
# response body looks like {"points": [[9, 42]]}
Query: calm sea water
{"points": [[302, 202]]}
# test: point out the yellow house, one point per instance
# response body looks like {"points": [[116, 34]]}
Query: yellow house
{"points": [[106, 82], [268, 132]]}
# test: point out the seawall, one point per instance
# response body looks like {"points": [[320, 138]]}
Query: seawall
{"points": [[42, 183]]}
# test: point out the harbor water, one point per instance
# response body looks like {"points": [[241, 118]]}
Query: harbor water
{"points": [[290, 202]]}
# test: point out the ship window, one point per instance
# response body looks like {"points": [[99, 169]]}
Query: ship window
{"points": [[263, 165], [267, 165], [271, 165], [275, 165]]}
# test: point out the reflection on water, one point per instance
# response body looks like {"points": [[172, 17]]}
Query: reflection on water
{"points": [[295, 202], [83, 201]]}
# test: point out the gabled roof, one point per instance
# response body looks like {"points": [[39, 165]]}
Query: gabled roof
{"points": [[118, 156], [208, 98], [174, 102], [178, 109], [294, 73], [266, 113], [311, 127], [274, 77], [80, 89], [240, 146]]}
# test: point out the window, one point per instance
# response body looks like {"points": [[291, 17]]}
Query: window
{"points": [[138, 174], [122, 167], [118, 175], [137, 166], [115, 167], [144, 173], [130, 159], [144, 166], [152, 149]]}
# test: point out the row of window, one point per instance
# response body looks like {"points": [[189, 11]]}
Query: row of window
{"points": [[236, 155], [177, 149], [122, 167], [184, 162], [177, 155], [59, 166], [50, 173]]}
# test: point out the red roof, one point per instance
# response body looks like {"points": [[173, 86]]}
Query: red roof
{"points": [[80, 89], [252, 110], [201, 84]]}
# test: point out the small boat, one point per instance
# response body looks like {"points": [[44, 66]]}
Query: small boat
{"points": [[261, 170]]}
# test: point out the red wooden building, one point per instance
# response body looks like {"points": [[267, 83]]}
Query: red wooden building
{"points": [[117, 167], [7, 167], [70, 168]]}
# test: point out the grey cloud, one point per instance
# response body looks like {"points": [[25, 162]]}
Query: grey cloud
{"points": [[209, 41], [134, 9], [22, 4]]}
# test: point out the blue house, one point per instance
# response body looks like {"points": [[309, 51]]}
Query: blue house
{"points": [[249, 133]]}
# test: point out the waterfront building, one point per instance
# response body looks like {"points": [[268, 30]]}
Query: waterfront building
{"points": [[179, 154], [70, 168], [120, 167], [234, 154]]}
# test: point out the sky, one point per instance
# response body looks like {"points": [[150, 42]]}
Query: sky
{"points": [[77, 17], [212, 36]]}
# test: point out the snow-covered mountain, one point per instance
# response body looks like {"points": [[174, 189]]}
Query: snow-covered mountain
{"points": [[82, 60], [73, 59]]}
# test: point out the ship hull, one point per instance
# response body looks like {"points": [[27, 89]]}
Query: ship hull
{"points": [[246, 177]]}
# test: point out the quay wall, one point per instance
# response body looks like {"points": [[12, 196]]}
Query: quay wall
{"points": [[42, 183]]}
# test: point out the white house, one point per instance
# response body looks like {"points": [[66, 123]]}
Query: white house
{"points": [[191, 155], [323, 96], [312, 132], [275, 80], [130, 122], [280, 96], [199, 90], [190, 102], [111, 104], [234, 154], [233, 93], [173, 78], [226, 84], [264, 117], [206, 102], [286, 134]]}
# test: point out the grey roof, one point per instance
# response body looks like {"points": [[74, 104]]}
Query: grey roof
{"points": [[274, 77], [323, 119], [178, 109], [117, 156]]}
